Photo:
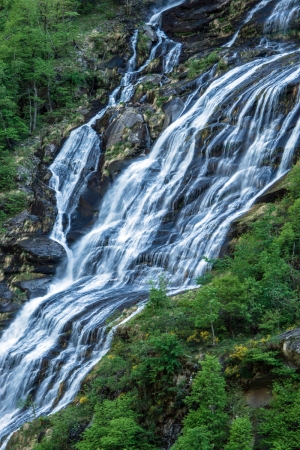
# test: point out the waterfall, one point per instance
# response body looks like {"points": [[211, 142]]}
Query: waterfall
{"points": [[164, 212], [283, 15]]}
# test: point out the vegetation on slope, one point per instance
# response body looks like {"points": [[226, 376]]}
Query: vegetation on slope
{"points": [[188, 361], [53, 66]]}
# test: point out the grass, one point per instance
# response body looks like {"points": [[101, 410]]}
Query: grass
{"points": [[196, 66]]}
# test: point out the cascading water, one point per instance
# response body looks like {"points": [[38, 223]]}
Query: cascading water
{"points": [[284, 14], [164, 212]]}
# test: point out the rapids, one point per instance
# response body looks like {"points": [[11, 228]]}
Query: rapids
{"points": [[163, 213]]}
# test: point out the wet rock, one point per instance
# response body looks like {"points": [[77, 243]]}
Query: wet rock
{"points": [[41, 249], [85, 214], [5, 293], [277, 191], [150, 33], [203, 25], [50, 149], [101, 124], [156, 65], [33, 253], [23, 175], [116, 166], [128, 126], [191, 21], [291, 346], [154, 78], [116, 62], [44, 205], [24, 223], [8, 308], [34, 288], [172, 110]]}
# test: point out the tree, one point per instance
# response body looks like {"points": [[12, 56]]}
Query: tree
{"points": [[158, 294], [280, 423], [159, 362], [34, 36], [115, 428], [207, 307], [193, 439], [240, 435], [207, 404]]}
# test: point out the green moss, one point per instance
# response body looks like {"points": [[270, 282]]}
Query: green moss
{"points": [[197, 66]]}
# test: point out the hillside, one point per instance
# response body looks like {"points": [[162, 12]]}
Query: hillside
{"points": [[150, 225]]}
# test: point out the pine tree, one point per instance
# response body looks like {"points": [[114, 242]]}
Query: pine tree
{"points": [[207, 406], [240, 435]]}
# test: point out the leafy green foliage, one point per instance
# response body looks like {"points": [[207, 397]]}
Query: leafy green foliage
{"points": [[7, 172], [207, 403], [115, 428], [240, 435], [35, 37], [66, 429], [198, 65], [13, 204], [280, 423], [196, 438], [158, 294], [159, 362]]}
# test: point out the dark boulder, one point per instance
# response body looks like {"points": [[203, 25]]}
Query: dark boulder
{"points": [[150, 33], [128, 129], [116, 166], [116, 62], [191, 21], [34, 288], [41, 249], [291, 346], [8, 308], [275, 192], [39, 253], [24, 223], [191, 16], [172, 110], [5, 293], [44, 205]]}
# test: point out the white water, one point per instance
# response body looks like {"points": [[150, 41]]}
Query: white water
{"points": [[282, 17], [164, 212]]}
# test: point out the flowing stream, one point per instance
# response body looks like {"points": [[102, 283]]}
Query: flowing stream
{"points": [[163, 213]]}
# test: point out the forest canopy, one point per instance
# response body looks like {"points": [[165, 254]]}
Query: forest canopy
{"points": [[34, 36]]}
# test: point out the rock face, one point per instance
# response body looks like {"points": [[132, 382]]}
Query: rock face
{"points": [[40, 252], [24, 223], [191, 21], [150, 33], [291, 346], [41, 249], [277, 191], [128, 128], [6, 295], [192, 16], [44, 205], [34, 288], [172, 110], [203, 24]]}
